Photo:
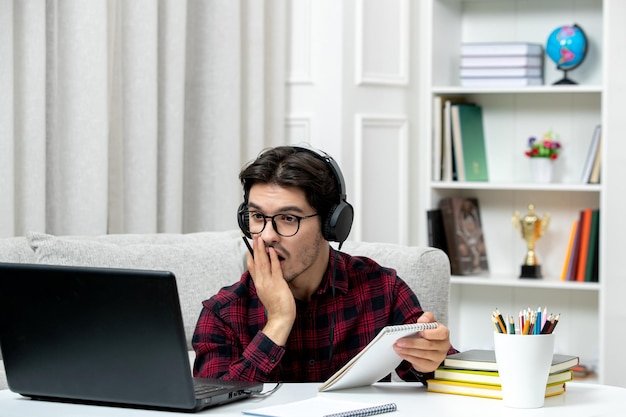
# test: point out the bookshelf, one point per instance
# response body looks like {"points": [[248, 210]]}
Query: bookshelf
{"points": [[510, 117]]}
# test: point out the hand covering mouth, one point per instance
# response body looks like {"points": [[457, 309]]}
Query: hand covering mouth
{"points": [[280, 257]]}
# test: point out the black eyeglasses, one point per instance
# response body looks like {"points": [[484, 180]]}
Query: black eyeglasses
{"points": [[285, 225]]}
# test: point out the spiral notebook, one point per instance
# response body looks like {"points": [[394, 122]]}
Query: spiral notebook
{"points": [[322, 406], [376, 360]]}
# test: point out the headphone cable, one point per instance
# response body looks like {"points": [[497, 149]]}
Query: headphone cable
{"points": [[333, 312]]}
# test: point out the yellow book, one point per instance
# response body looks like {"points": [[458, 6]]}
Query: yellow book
{"points": [[481, 390], [489, 377], [568, 256]]}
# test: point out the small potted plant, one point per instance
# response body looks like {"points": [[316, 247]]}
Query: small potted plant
{"points": [[542, 153]]}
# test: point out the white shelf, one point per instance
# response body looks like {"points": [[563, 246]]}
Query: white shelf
{"points": [[501, 186], [510, 116], [544, 89], [525, 283]]}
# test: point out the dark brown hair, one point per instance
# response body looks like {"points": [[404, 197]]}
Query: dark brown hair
{"points": [[288, 166]]}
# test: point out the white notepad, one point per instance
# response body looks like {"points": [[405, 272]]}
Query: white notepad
{"points": [[376, 360], [321, 406]]}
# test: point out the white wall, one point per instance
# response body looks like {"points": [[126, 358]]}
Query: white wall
{"points": [[350, 93]]}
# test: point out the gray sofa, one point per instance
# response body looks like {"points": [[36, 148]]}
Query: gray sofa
{"points": [[204, 262]]}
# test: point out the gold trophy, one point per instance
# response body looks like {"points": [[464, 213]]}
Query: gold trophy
{"points": [[531, 228]]}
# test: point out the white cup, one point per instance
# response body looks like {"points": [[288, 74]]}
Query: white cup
{"points": [[523, 365]]}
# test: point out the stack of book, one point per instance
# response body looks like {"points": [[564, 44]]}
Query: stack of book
{"points": [[475, 373], [502, 64]]}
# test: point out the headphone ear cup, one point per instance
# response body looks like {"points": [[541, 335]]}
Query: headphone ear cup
{"points": [[327, 230], [338, 223], [243, 221]]}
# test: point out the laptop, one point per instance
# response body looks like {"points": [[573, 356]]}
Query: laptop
{"points": [[101, 336]]}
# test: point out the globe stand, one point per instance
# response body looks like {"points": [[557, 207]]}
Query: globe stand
{"points": [[565, 80]]}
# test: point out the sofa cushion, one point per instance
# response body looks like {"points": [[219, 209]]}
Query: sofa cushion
{"points": [[426, 270], [202, 262], [15, 249]]}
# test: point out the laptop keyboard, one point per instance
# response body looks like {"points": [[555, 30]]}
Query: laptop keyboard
{"points": [[202, 388]]}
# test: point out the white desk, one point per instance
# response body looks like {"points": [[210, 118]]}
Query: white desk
{"points": [[412, 400]]}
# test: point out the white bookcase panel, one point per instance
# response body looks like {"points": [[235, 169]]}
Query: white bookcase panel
{"points": [[510, 117]]}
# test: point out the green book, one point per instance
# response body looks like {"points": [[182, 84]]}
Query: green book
{"points": [[472, 140], [591, 266]]}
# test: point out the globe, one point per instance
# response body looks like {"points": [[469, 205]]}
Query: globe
{"points": [[567, 47]]}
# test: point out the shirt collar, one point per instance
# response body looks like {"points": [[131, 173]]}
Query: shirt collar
{"points": [[335, 260]]}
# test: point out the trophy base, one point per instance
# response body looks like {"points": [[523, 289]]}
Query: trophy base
{"points": [[531, 271]]}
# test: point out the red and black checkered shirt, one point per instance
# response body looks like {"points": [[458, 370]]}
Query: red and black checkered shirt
{"points": [[229, 343]]}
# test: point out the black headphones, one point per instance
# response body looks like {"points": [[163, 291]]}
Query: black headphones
{"points": [[338, 222]]}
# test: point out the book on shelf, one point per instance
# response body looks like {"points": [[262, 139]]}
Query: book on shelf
{"points": [[585, 228], [437, 132], [591, 267], [575, 253], [590, 160], [464, 235], [376, 360], [581, 259], [448, 158], [501, 81], [594, 178], [501, 72], [469, 142], [501, 49], [457, 145], [569, 252], [489, 377], [485, 360], [436, 232], [481, 390], [504, 61], [443, 135]]}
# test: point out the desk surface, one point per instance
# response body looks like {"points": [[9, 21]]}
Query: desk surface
{"points": [[580, 399]]}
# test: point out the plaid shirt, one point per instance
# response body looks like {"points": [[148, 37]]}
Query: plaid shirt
{"points": [[229, 343]]}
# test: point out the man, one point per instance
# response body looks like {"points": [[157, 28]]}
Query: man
{"points": [[304, 309]]}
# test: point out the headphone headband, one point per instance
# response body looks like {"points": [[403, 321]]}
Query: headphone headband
{"points": [[331, 164]]}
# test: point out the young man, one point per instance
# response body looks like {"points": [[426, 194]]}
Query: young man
{"points": [[304, 309]]}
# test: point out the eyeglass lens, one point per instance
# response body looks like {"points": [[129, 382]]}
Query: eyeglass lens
{"points": [[284, 224]]}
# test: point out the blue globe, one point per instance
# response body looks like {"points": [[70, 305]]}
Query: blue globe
{"points": [[567, 47]]}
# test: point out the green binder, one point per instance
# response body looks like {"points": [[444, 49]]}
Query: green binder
{"points": [[473, 142]]}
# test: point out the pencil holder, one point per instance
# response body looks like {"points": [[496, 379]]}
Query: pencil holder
{"points": [[523, 365]]}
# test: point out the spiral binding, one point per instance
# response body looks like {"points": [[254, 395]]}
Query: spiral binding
{"points": [[369, 411], [418, 327]]}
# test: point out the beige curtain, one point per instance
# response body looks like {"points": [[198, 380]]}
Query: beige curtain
{"points": [[122, 116]]}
